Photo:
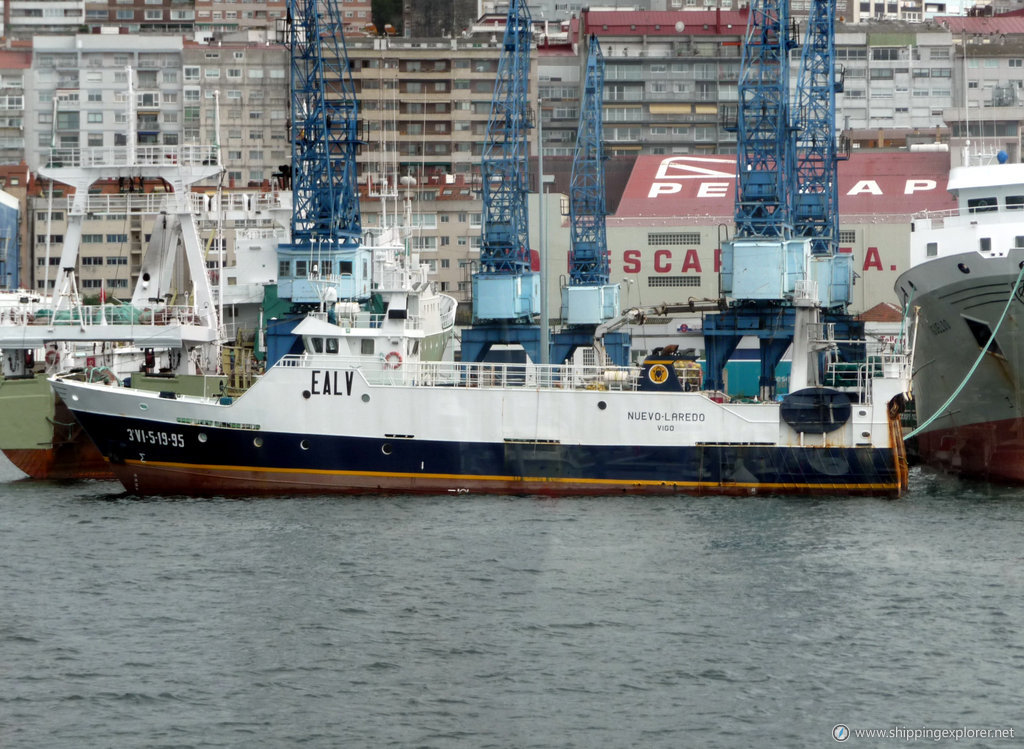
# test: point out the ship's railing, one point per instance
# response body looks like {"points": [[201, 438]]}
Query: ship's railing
{"points": [[268, 232], [938, 219], [106, 314], [209, 203], [881, 358], [369, 320], [159, 155], [380, 371], [855, 378], [125, 203]]}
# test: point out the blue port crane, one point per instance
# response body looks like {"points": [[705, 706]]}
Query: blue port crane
{"points": [[589, 299], [506, 288], [786, 208], [815, 190], [761, 263], [325, 258]]}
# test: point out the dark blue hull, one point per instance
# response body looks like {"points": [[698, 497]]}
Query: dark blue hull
{"points": [[150, 458]]}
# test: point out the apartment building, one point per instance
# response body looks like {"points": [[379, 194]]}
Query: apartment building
{"points": [[988, 84], [670, 79], [218, 17], [14, 66], [23, 19], [249, 83], [140, 16], [77, 92], [896, 75], [424, 106]]}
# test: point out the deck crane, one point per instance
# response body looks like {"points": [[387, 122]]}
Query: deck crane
{"points": [[589, 299], [506, 288], [326, 257], [782, 268]]}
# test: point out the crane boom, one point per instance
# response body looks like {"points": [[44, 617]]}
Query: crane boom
{"points": [[764, 153], [588, 253], [815, 192], [505, 247], [324, 127]]}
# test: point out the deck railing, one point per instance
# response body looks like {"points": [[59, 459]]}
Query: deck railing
{"points": [[107, 314], [379, 371]]}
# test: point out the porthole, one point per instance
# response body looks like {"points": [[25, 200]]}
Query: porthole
{"points": [[202, 437], [304, 444], [963, 268], [386, 448], [143, 406], [602, 405], [258, 442], [366, 397], [305, 394]]}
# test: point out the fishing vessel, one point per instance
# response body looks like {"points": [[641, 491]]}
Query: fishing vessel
{"points": [[319, 423], [964, 283], [164, 330]]}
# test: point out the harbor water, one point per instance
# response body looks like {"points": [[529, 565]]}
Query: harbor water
{"points": [[486, 621]]}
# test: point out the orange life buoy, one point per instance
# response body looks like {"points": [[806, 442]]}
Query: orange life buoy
{"points": [[393, 360], [52, 357]]}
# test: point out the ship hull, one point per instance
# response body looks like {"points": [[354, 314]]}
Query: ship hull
{"points": [[41, 437], [972, 422], [349, 465], [316, 431]]}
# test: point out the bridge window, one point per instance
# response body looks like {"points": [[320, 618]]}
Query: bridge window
{"points": [[982, 205], [1015, 202], [332, 345], [933, 249]]}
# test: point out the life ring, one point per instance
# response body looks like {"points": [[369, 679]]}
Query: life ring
{"points": [[393, 360], [658, 374], [52, 357]]}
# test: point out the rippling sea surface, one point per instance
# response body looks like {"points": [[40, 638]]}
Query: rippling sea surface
{"points": [[487, 621]]}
